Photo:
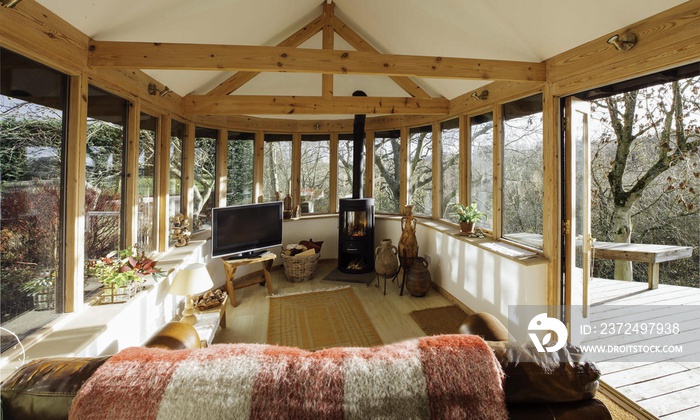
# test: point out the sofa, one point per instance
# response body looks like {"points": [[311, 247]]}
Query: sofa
{"points": [[528, 385]]}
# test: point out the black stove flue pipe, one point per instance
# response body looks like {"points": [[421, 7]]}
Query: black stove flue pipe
{"points": [[358, 135]]}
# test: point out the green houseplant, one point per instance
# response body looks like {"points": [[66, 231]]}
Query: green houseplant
{"points": [[122, 273], [468, 216]]}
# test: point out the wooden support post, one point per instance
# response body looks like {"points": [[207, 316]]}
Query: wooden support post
{"points": [[369, 164], [403, 170], [131, 210], [437, 189], [258, 166], [188, 172], [333, 183], [221, 167], [163, 182], [75, 194]]}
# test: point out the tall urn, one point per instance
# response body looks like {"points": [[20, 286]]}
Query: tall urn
{"points": [[418, 278], [386, 262], [408, 244]]}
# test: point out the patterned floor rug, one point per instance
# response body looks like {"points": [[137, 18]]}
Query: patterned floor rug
{"points": [[441, 320], [320, 319]]}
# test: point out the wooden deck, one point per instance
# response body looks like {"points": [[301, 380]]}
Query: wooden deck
{"points": [[670, 389]]}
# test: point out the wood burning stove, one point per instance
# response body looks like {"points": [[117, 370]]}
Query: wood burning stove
{"points": [[356, 236], [356, 214]]}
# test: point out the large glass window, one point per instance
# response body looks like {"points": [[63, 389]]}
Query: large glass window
{"points": [[522, 171], [315, 173], [32, 140], [178, 134], [449, 168], [277, 176], [204, 177], [239, 180], [481, 166], [387, 155], [420, 170], [345, 159], [146, 228], [104, 173]]}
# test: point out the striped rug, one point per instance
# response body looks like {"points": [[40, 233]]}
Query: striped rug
{"points": [[320, 319]]}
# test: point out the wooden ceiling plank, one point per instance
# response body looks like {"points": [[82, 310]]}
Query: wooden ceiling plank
{"points": [[167, 56], [239, 79], [263, 105], [359, 43]]}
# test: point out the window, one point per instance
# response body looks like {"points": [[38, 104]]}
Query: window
{"points": [[178, 133], [420, 170], [387, 155], [449, 168], [204, 177], [481, 166], [104, 173], [32, 142], [345, 159], [315, 173], [522, 171], [241, 155], [277, 176], [146, 228]]}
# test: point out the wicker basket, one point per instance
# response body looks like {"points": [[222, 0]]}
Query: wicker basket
{"points": [[300, 268]]}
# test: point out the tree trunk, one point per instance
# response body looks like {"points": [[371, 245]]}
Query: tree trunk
{"points": [[622, 233]]}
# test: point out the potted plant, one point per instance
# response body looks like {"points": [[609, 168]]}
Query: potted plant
{"points": [[468, 216], [122, 274]]}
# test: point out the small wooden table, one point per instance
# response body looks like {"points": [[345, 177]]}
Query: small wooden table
{"points": [[208, 321], [231, 265], [649, 253]]}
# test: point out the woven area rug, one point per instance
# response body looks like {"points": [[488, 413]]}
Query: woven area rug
{"points": [[320, 319], [442, 320]]}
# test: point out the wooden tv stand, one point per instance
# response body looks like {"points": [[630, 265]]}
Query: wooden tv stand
{"points": [[230, 266]]}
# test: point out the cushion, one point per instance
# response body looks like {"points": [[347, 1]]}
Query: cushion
{"points": [[534, 377], [45, 388]]}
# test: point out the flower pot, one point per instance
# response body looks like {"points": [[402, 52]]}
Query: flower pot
{"points": [[466, 227]]}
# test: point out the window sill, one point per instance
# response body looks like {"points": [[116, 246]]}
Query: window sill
{"points": [[97, 329], [510, 251]]}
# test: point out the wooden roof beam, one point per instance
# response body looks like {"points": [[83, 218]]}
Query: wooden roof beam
{"points": [[294, 40], [263, 105], [327, 44], [143, 55]]}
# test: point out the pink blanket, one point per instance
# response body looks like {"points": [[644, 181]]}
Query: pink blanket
{"points": [[439, 377]]}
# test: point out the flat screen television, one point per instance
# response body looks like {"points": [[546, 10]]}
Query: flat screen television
{"points": [[246, 230]]}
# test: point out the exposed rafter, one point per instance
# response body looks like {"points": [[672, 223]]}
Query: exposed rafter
{"points": [[297, 38], [241, 104], [143, 55], [359, 43]]}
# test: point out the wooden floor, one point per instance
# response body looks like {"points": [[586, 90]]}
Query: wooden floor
{"points": [[670, 389], [247, 323]]}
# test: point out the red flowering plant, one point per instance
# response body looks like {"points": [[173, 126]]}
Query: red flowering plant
{"points": [[120, 268]]}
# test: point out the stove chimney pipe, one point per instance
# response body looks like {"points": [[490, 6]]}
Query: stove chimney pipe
{"points": [[358, 135]]}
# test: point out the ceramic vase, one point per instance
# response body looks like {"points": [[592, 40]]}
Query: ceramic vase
{"points": [[408, 244], [418, 278], [386, 262]]}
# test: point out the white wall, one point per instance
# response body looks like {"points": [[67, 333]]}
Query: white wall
{"points": [[482, 280]]}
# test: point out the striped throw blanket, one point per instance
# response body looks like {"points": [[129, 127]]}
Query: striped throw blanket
{"points": [[439, 377]]}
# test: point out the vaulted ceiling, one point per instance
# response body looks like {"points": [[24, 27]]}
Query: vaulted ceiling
{"points": [[431, 51]]}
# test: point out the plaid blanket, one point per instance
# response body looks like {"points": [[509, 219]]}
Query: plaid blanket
{"points": [[438, 377]]}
